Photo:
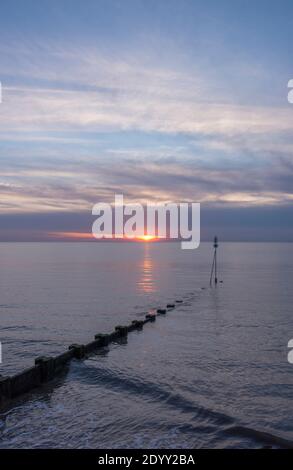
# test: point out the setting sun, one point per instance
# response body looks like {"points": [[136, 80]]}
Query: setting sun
{"points": [[147, 238]]}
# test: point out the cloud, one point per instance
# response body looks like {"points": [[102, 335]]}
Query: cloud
{"points": [[77, 187], [196, 142], [69, 89]]}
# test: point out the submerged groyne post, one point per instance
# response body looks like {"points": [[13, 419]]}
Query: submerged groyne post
{"points": [[5, 389], [214, 265], [150, 317], [78, 350], [102, 338], [161, 311], [137, 324], [47, 367], [121, 330]]}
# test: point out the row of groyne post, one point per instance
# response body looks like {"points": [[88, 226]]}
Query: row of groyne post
{"points": [[47, 368]]}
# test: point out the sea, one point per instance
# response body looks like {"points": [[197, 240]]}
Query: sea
{"points": [[212, 373]]}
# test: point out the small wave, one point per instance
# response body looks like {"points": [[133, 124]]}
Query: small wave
{"points": [[152, 391], [262, 436], [16, 327], [9, 306]]}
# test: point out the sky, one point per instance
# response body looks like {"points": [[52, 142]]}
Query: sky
{"points": [[160, 101]]}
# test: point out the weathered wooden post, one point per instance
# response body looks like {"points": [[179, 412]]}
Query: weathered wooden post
{"points": [[46, 364]]}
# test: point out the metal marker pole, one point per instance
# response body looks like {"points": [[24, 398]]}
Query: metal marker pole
{"points": [[214, 265]]}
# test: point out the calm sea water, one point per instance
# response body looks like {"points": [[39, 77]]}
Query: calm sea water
{"points": [[212, 373]]}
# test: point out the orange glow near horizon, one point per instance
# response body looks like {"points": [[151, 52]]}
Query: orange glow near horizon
{"points": [[89, 236], [71, 235]]}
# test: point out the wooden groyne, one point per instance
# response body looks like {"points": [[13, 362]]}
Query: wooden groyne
{"points": [[48, 367]]}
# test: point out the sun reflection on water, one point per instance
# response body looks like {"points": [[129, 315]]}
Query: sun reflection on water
{"points": [[146, 282]]}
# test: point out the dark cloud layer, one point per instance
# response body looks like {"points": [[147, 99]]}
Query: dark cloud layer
{"points": [[268, 223]]}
